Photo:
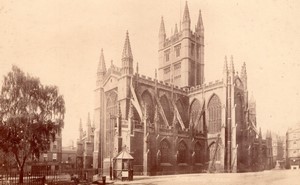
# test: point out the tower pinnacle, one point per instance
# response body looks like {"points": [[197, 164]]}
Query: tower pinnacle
{"points": [[127, 58], [101, 65], [186, 13], [162, 30], [231, 69], [244, 75], [127, 48], [186, 21], [225, 68], [244, 71], [200, 22]]}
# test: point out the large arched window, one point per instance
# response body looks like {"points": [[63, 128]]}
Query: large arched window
{"points": [[196, 119], [182, 152], [166, 107], [111, 113], [165, 151], [199, 153], [214, 114], [148, 104]]}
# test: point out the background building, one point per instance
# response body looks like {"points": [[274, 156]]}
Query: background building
{"points": [[279, 150], [69, 156], [85, 146], [50, 160], [293, 147]]}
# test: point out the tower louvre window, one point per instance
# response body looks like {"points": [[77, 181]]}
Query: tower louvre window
{"points": [[177, 50], [192, 49], [167, 55], [198, 51]]}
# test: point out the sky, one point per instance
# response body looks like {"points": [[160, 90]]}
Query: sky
{"points": [[60, 41]]}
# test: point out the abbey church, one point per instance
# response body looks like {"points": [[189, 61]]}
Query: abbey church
{"points": [[175, 122]]}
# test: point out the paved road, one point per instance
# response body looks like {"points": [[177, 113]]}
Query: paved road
{"points": [[274, 177]]}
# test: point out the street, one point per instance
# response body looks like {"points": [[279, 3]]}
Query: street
{"points": [[273, 177]]}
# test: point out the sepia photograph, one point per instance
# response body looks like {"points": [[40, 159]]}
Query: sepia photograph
{"points": [[150, 92]]}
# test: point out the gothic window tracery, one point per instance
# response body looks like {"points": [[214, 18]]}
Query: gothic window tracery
{"points": [[214, 114]]}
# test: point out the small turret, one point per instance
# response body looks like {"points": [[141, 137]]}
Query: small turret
{"points": [[231, 68], [89, 127], [162, 33], [80, 130], [244, 75], [199, 26], [225, 68], [186, 20], [101, 70], [127, 58]]}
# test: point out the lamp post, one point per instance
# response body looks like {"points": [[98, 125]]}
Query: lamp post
{"points": [[112, 118]]}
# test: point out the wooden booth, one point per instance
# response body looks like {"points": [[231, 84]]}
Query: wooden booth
{"points": [[123, 166]]}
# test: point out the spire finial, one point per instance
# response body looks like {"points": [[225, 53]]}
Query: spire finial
{"points": [[231, 65], [244, 71], [186, 14], [127, 48], [80, 124], [200, 21], [162, 26], [225, 64], [101, 65]]}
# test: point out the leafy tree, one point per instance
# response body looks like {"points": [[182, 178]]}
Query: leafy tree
{"points": [[31, 115]]}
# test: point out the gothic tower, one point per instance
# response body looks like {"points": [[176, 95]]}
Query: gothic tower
{"points": [[181, 56], [99, 113]]}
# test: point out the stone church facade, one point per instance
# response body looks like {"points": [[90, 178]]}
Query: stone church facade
{"points": [[174, 122]]}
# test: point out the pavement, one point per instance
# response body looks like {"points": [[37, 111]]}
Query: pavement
{"points": [[272, 177]]}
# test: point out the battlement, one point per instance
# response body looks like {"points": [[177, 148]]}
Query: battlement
{"points": [[208, 85], [161, 84], [177, 37]]}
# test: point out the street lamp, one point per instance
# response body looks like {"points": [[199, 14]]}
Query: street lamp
{"points": [[112, 118]]}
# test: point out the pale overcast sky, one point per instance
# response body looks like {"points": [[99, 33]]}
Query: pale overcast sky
{"points": [[60, 42]]}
